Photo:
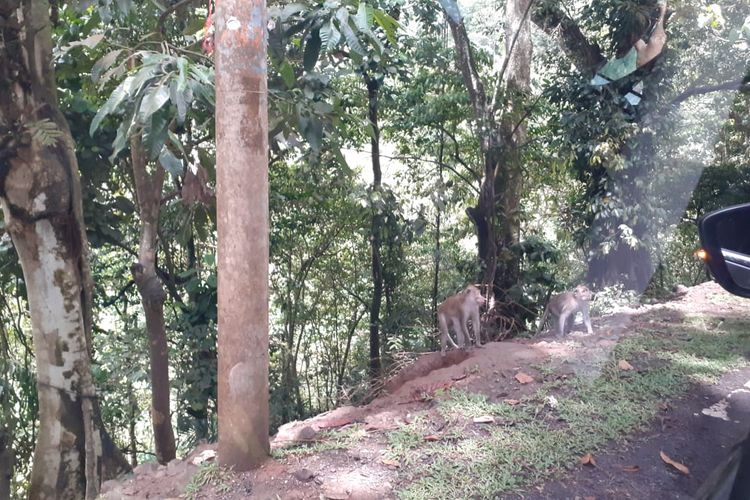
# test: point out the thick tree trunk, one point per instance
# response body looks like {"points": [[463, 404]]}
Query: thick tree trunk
{"points": [[373, 87], [509, 181], [40, 195], [242, 213], [148, 188]]}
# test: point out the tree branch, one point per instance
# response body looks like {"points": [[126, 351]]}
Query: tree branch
{"points": [[506, 61], [740, 85], [586, 56]]}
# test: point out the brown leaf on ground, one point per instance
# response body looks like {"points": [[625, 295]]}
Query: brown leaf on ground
{"points": [[524, 378], [484, 419], [588, 459], [624, 365], [631, 468], [391, 463], [677, 465], [589, 498], [459, 377], [432, 437], [512, 402]]}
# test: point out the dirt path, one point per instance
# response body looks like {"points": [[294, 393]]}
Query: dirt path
{"points": [[354, 462], [689, 430]]}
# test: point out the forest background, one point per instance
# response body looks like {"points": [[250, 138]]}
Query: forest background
{"points": [[412, 151]]}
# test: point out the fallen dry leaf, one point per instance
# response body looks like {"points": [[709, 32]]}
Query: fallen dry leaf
{"points": [[677, 465], [432, 437], [589, 498], [523, 378], [588, 459], [484, 419], [391, 463], [512, 402], [624, 365], [459, 377], [631, 468]]}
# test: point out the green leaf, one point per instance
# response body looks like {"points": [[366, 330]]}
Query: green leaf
{"points": [[330, 36], [312, 51], [152, 102], [181, 99], [155, 135], [115, 99], [103, 64], [364, 17], [351, 38], [287, 74], [120, 140], [387, 23], [182, 68], [170, 162]]}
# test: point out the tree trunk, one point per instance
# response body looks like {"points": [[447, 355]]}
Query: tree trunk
{"points": [[509, 181], [376, 231], [242, 212], [40, 194], [148, 188]]}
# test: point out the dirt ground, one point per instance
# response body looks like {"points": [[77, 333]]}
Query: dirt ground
{"points": [[696, 430]]}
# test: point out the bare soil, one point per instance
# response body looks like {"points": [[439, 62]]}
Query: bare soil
{"points": [[627, 469]]}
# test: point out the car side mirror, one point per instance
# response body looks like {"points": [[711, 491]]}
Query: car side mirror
{"points": [[725, 237]]}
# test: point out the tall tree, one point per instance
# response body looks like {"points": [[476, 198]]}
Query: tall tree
{"points": [[40, 194], [242, 212], [148, 188], [496, 215]]}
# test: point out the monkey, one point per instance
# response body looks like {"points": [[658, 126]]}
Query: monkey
{"points": [[455, 311], [565, 306], [647, 51]]}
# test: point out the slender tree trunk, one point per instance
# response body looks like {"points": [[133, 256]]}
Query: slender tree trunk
{"points": [[40, 194], [242, 212], [437, 257], [148, 188], [7, 422], [373, 87]]}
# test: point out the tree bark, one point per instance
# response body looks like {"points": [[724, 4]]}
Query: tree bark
{"points": [[40, 194], [509, 181], [373, 86], [242, 212], [148, 189]]}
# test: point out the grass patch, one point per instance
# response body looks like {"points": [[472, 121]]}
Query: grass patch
{"points": [[209, 473], [326, 441], [537, 441]]}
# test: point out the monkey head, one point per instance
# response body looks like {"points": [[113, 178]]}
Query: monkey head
{"points": [[582, 292]]}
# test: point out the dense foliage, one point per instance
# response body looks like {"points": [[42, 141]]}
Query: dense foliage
{"points": [[610, 191]]}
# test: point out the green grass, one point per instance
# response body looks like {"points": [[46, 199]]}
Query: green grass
{"points": [[209, 473], [534, 442]]}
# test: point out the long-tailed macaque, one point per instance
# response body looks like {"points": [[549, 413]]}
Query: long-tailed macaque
{"points": [[647, 51], [565, 306], [454, 312]]}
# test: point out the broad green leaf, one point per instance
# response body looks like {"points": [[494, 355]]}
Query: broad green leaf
{"points": [[113, 102], [170, 162], [103, 64], [287, 74], [330, 36], [181, 99], [387, 23], [88, 42], [312, 51], [364, 17], [152, 102], [182, 67], [120, 139], [351, 38], [155, 135]]}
